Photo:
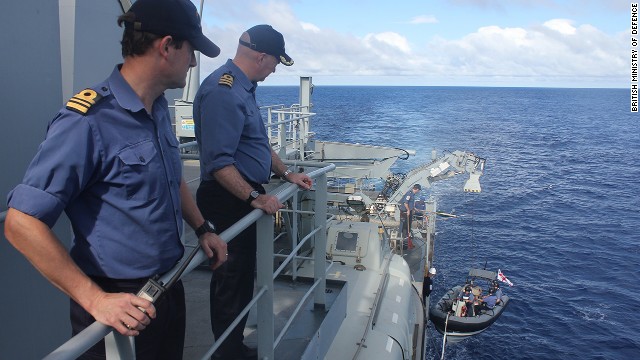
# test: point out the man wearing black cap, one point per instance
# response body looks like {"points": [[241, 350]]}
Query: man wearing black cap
{"points": [[235, 160], [110, 161]]}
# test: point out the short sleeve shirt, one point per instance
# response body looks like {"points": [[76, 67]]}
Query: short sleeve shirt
{"points": [[491, 301], [498, 293], [409, 199], [228, 126], [115, 171]]}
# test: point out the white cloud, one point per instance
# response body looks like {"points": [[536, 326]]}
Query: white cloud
{"points": [[562, 26], [538, 53], [424, 19], [309, 27], [557, 51], [391, 39]]}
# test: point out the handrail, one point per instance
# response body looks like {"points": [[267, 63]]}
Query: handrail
{"points": [[282, 193], [84, 340]]}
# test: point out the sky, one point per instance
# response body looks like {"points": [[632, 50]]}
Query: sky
{"points": [[521, 43]]}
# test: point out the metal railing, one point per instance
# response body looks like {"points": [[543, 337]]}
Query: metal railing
{"points": [[289, 128], [122, 347]]}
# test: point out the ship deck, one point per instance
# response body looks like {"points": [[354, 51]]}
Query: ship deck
{"points": [[309, 321], [199, 337]]}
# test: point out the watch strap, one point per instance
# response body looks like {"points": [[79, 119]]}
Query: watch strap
{"points": [[285, 174], [204, 228], [252, 196]]}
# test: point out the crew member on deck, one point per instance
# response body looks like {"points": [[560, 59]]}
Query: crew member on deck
{"points": [[427, 284], [236, 159], [110, 161], [406, 213]]}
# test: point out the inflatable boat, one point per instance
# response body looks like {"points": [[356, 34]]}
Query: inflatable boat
{"points": [[451, 315]]}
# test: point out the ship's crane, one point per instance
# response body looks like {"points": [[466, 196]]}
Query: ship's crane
{"points": [[440, 168], [448, 165]]}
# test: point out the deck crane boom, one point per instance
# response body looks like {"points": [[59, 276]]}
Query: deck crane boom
{"points": [[440, 168], [444, 167]]}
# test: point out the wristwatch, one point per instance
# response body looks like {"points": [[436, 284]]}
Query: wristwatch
{"points": [[206, 227], [284, 175], [252, 196]]}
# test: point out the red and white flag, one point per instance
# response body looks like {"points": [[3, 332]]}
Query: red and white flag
{"points": [[503, 278]]}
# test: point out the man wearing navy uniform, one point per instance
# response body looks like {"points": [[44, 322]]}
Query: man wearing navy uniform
{"points": [[110, 161], [406, 205], [427, 284], [235, 160]]}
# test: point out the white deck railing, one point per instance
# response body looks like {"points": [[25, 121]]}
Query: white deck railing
{"points": [[288, 129], [121, 347]]}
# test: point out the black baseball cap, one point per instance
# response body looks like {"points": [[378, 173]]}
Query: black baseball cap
{"points": [[177, 18], [265, 39]]}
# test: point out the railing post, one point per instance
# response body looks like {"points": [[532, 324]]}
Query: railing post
{"points": [[306, 89], [295, 128], [282, 138], [304, 134], [264, 279], [430, 209], [294, 233], [320, 239], [119, 347], [269, 121]]}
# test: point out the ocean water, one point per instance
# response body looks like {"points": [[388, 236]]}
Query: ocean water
{"points": [[558, 214]]}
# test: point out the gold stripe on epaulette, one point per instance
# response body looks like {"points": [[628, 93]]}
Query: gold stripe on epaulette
{"points": [[82, 101], [226, 79]]}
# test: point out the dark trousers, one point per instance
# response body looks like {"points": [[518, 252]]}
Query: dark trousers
{"points": [[470, 309], [479, 308], [162, 339], [231, 287], [405, 218], [426, 288]]}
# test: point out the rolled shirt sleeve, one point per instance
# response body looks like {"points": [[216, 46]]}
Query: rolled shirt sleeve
{"points": [[58, 172], [115, 171], [229, 127]]}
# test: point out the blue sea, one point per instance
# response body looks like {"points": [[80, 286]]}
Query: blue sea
{"points": [[558, 214]]}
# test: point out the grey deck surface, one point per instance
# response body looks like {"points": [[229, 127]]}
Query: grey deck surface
{"points": [[199, 337]]}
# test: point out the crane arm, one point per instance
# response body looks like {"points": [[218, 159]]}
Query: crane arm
{"points": [[448, 165]]}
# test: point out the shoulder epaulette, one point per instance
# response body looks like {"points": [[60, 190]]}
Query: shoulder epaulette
{"points": [[83, 101], [226, 79]]}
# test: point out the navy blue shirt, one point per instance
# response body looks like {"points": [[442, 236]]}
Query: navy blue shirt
{"points": [[409, 199], [498, 294], [490, 300], [228, 126], [116, 173]]}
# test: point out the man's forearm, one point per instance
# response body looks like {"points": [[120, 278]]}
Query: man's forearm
{"points": [[40, 246], [233, 182], [190, 212], [277, 166]]}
